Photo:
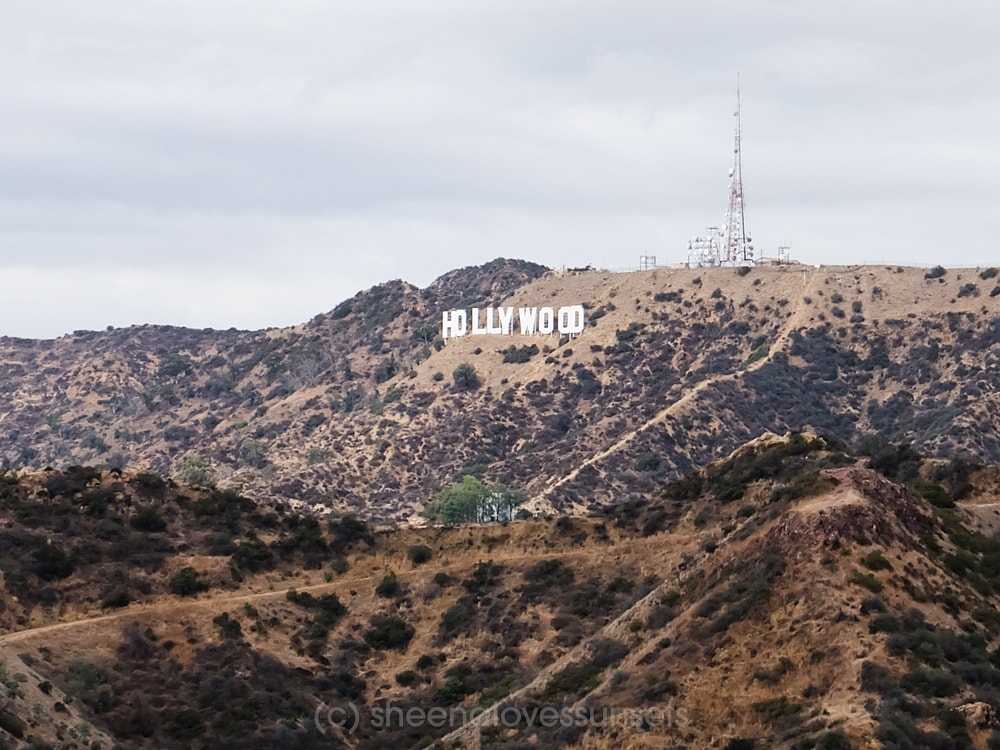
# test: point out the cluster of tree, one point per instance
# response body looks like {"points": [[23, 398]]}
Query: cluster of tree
{"points": [[473, 501]]}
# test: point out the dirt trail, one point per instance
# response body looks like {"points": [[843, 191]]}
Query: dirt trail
{"points": [[617, 629], [178, 608], [794, 322]]}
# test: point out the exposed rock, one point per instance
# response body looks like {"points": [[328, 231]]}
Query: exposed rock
{"points": [[979, 715]]}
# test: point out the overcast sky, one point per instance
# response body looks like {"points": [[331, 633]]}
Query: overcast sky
{"points": [[247, 163]]}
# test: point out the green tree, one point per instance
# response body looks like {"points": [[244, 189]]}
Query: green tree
{"points": [[148, 520], [197, 470], [187, 582], [465, 377], [253, 453], [174, 365], [418, 553], [389, 586], [473, 501]]}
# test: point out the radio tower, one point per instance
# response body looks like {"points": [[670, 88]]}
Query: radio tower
{"points": [[738, 248]]}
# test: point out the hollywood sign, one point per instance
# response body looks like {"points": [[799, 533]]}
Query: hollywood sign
{"points": [[499, 321]]}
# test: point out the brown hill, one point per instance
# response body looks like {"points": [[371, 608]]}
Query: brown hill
{"points": [[789, 596], [358, 410]]}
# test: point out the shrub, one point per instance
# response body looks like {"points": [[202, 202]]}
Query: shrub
{"points": [[317, 455], [197, 470], [386, 370], [82, 677], [116, 598], [775, 709], [866, 580], [751, 588], [877, 679], [451, 692], [607, 651], [388, 587], [253, 556], [519, 354], [389, 632], [253, 453], [327, 610], [931, 683], [892, 461], [578, 678], [148, 520], [418, 554], [465, 377], [545, 577], [406, 678], [884, 623], [457, 619], [51, 563], [647, 461], [875, 560], [833, 740], [174, 364], [149, 484], [187, 582], [11, 724], [936, 273], [933, 493], [229, 629], [667, 296], [349, 529]]}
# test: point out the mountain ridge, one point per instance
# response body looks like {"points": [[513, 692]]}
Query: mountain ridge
{"points": [[789, 595], [356, 410]]}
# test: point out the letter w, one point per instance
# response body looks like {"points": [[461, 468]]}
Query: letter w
{"points": [[528, 319]]}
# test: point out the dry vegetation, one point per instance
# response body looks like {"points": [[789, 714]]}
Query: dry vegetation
{"points": [[360, 409], [794, 595], [754, 590]]}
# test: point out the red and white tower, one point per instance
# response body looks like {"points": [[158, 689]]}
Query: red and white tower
{"points": [[738, 250], [730, 244]]}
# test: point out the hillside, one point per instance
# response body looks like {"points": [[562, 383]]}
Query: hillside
{"points": [[357, 410], [792, 595]]}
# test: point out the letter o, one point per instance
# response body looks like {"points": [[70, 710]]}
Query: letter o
{"points": [[546, 320], [571, 319]]}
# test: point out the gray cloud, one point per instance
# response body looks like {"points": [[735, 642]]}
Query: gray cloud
{"points": [[221, 163]]}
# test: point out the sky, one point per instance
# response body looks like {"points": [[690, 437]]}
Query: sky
{"points": [[247, 163]]}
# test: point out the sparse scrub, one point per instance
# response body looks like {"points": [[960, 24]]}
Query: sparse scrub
{"points": [[866, 580], [388, 587], [389, 632], [187, 582], [197, 470], [465, 377], [418, 554], [875, 560]]}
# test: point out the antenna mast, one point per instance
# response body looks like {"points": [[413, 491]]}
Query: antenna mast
{"points": [[739, 247]]}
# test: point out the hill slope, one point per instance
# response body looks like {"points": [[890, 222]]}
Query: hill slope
{"points": [[789, 596], [357, 409]]}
